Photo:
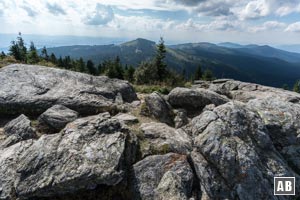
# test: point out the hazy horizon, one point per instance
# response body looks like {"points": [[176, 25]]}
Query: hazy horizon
{"points": [[69, 40]]}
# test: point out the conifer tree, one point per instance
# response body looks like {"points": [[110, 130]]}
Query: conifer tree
{"points": [[198, 73], [159, 60]]}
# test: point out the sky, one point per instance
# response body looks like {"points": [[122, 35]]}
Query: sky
{"points": [[241, 21]]}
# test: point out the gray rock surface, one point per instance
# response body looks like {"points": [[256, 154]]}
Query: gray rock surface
{"points": [[90, 151], [159, 108], [166, 176], [9, 161], [18, 130], [194, 100], [56, 117], [244, 92], [181, 118], [159, 138], [235, 156], [238, 137], [34, 89], [126, 118]]}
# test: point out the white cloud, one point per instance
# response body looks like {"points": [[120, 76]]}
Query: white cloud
{"points": [[102, 15], [268, 26], [295, 27], [255, 9], [55, 9]]}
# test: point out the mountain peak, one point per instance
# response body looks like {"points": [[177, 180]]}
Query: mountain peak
{"points": [[139, 42]]}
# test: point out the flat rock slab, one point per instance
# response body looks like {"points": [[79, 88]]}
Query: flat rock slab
{"points": [[33, 89]]}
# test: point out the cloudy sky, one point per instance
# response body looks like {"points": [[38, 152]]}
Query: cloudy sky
{"points": [[243, 21]]}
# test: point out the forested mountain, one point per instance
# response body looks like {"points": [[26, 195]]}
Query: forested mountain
{"points": [[252, 63]]}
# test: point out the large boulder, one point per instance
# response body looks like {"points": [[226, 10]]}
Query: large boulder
{"points": [[9, 160], [241, 91], [161, 177], [18, 130], [88, 152], [159, 108], [56, 117], [34, 89], [159, 138], [235, 156], [282, 119], [194, 100]]}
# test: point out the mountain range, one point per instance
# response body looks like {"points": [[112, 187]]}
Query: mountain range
{"points": [[252, 63]]}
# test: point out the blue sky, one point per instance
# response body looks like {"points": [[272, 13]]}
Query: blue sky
{"points": [[243, 21]]}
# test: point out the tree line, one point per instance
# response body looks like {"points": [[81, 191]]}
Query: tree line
{"points": [[154, 71]]}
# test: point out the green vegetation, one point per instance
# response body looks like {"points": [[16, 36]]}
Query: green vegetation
{"points": [[296, 87], [198, 73], [149, 76], [285, 87]]}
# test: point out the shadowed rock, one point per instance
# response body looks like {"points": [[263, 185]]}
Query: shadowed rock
{"points": [[194, 100], [18, 130], [159, 108], [56, 117]]}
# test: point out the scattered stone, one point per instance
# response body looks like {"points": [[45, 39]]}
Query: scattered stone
{"points": [[181, 118], [57, 117], [18, 130], [159, 108], [126, 118]]}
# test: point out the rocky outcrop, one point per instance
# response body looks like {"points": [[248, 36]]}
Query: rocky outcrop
{"points": [[194, 100], [235, 156], [34, 89], [159, 138], [90, 151], [18, 130], [166, 176], [223, 139], [56, 117], [159, 108]]}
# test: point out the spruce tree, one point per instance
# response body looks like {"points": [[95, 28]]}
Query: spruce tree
{"points": [[2, 55], [18, 49], [198, 73], [45, 54], [91, 67], [208, 75], [33, 56], [53, 58], [296, 87], [159, 60]]}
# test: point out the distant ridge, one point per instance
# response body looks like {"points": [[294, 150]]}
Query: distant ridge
{"points": [[252, 63]]}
